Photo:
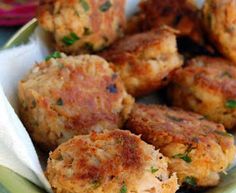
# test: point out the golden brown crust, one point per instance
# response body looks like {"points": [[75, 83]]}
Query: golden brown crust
{"points": [[181, 15], [76, 95], [82, 26], [107, 162], [145, 61], [205, 86], [219, 21], [209, 148]]}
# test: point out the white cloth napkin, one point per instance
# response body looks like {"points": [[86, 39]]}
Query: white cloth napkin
{"points": [[16, 149]]}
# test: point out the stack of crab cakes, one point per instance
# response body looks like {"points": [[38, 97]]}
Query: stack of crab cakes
{"points": [[68, 96], [198, 149], [114, 161], [82, 26]]}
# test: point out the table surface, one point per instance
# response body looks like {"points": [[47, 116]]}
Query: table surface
{"points": [[6, 33]]}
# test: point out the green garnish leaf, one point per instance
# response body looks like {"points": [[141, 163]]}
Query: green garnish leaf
{"points": [[53, 55], [153, 170], [185, 156], [123, 189], [87, 31], [174, 118], [105, 6], [231, 104], [96, 184], [60, 102], [190, 181], [85, 5], [223, 133], [226, 74], [71, 39], [89, 47]]}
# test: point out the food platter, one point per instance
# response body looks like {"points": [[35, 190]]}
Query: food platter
{"points": [[19, 184]]}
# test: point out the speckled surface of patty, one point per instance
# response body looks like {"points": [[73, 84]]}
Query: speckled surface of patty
{"points": [[82, 26], [198, 149], [207, 86], [145, 61], [182, 15], [219, 18], [67, 96], [115, 161]]}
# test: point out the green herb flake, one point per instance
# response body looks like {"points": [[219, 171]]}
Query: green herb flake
{"points": [[223, 133], [34, 104], [71, 39], [123, 189], [53, 55], [190, 181], [174, 118], [85, 5], [60, 102], [87, 31], [226, 74], [184, 156], [153, 170], [89, 47], [96, 184], [105, 6], [231, 104]]}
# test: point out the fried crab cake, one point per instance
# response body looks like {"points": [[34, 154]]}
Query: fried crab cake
{"points": [[219, 18], [145, 61], [198, 149], [182, 15], [82, 26], [115, 161], [68, 96], [207, 86]]}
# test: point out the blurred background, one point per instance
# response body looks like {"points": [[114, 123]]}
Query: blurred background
{"points": [[14, 14]]}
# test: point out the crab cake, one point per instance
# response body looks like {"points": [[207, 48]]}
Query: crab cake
{"points": [[69, 96], [182, 15], [198, 149], [82, 26], [145, 61], [219, 18], [115, 161], [207, 86]]}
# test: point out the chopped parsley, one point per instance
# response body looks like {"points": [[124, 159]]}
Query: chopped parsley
{"points": [[174, 118], [112, 88], [96, 184], [85, 5], [53, 55], [34, 104], [89, 47], [177, 20], [223, 133], [153, 170], [184, 156], [123, 189], [87, 31], [226, 74], [60, 102], [190, 181], [105, 6], [231, 104], [71, 39]]}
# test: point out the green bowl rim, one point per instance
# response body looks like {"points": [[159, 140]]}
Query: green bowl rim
{"points": [[15, 37]]}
